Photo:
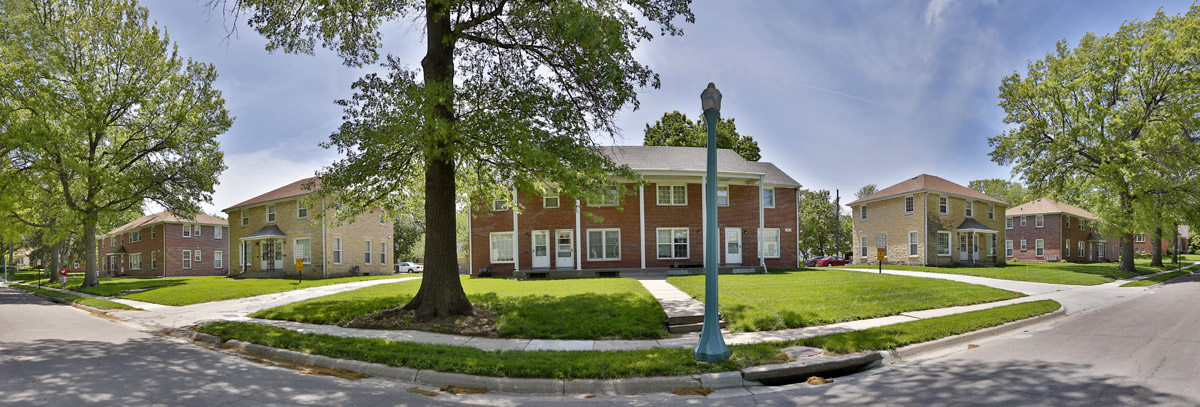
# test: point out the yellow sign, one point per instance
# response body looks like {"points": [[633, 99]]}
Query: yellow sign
{"points": [[882, 254], [299, 264]]}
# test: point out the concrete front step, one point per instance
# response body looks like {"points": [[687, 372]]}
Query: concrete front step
{"points": [[692, 327]]}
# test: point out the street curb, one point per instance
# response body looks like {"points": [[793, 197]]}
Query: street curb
{"points": [[57, 300], [958, 340]]}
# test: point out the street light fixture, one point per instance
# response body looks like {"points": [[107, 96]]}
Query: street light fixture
{"points": [[711, 347]]}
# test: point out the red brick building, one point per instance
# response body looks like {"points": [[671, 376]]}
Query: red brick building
{"points": [[1144, 243], [164, 244], [656, 226], [1046, 230]]}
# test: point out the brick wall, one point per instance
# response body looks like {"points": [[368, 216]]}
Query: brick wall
{"points": [[155, 261], [1050, 232], [889, 216]]}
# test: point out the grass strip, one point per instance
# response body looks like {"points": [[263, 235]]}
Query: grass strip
{"points": [[585, 308], [611, 364], [1053, 273], [194, 290], [809, 297], [91, 302], [1156, 279]]}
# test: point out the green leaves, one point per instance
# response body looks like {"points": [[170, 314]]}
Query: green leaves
{"points": [[675, 129]]}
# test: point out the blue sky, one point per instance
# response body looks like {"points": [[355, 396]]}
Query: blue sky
{"points": [[838, 94]]}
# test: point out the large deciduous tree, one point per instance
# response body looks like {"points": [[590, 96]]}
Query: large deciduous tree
{"points": [[675, 129], [822, 232], [101, 103], [865, 190], [510, 94], [1010, 192], [1093, 120]]}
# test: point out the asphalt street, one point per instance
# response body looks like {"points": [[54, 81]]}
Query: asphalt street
{"points": [[1140, 352]]}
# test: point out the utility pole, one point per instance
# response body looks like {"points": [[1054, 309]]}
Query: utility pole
{"points": [[837, 221]]}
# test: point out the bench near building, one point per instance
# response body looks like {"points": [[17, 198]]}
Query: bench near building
{"points": [[928, 221], [656, 229], [270, 231]]}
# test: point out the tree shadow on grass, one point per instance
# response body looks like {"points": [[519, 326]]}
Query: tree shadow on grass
{"points": [[578, 316], [114, 287]]}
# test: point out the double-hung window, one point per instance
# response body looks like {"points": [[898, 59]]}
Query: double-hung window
{"points": [[301, 210], [991, 212], [1023, 245], [153, 260], [550, 200], [1008, 223], [337, 250], [943, 243], [196, 230], [970, 208], [672, 195], [367, 252], [153, 233], [771, 243], [723, 195], [673, 243], [187, 259], [610, 198], [501, 247], [245, 218], [303, 249], [1082, 251], [1140, 238], [1067, 249], [862, 212], [912, 243], [604, 244], [500, 204], [908, 204], [382, 252], [943, 205], [1023, 220], [218, 259], [270, 213], [992, 246], [1039, 247], [1008, 248], [217, 232], [862, 244], [1067, 221], [196, 255], [135, 261], [187, 230], [1082, 224], [1039, 221], [768, 197]]}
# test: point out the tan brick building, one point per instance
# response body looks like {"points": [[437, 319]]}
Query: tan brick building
{"points": [[270, 231], [658, 226], [928, 221]]}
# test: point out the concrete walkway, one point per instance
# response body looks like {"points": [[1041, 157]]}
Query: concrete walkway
{"points": [[188, 315], [678, 305]]}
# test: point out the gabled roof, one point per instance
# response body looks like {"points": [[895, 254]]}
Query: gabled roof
{"points": [[286, 191], [1043, 206], [926, 182], [166, 216], [670, 158]]}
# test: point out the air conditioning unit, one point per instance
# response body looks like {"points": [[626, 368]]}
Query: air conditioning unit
{"points": [[1052, 258]]}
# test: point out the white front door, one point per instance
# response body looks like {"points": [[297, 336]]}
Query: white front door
{"points": [[564, 243], [962, 247], [541, 249], [974, 247], [733, 246], [279, 255], [264, 254]]}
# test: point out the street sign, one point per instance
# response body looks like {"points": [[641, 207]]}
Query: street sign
{"points": [[299, 264], [882, 254]]}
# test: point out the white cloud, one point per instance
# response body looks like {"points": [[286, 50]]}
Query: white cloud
{"points": [[933, 12]]}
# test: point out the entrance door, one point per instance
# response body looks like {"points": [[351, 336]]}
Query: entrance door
{"points": [[564, 243], [264, 254], [962, 247], [733, 246], [974, 247], [278, 254], [541, 249]]}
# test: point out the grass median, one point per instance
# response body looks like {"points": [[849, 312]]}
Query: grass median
{"points": [[1053, 273], [597, 308], [81, 300], [194, 290], [807, 297], [1157, 279], [611, 364]]}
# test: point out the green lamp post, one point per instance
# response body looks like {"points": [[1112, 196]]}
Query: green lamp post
{"points": [[712, 346]]}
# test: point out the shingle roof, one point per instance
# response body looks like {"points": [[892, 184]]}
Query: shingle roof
{"points": [[266, 231], [669, 158], [166, 216], [926, 182], [1047, 205], [286, 191]]}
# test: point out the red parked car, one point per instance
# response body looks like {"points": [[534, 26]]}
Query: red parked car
{"points": [[832, 261]]}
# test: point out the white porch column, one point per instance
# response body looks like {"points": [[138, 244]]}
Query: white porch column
{"points": [[761, 221], [642, 220], [516, 244], [578, 237], [470, 241]]}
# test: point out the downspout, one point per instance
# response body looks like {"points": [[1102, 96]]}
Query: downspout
{"points": [[516, 235], [797, 239], [578, 237], [761, 228], [325, 245], [925, 231], [642, 219]]}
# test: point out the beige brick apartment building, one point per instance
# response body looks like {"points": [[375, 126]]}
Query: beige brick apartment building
{"points": [[270, 231], [928, 221], [657, 227]]}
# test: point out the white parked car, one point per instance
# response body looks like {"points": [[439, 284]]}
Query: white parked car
{"points": [[409, 268]]}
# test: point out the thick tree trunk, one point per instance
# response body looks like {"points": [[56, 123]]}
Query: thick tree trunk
{"points": [[53, 263], [91, 277], [1127, 253], [1175, 243], [441, 293], [1156, 251]]}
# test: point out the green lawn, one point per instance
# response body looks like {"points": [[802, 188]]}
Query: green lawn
{"points": [[1156, 279], [610, 364], [1054, 273], [193, 290], [538, 309], [807, 297], [91, 302]]}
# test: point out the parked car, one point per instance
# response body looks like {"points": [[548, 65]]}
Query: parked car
{"points": [[813, 261], [408, 267], [832, 261]]}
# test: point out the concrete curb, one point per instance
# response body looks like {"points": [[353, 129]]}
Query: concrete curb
{"points": [[959, 340]]}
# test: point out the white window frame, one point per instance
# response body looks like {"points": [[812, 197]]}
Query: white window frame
{"points": [[337, 250], [1024, 245], [154, 260], [1082, 224], [913, 243], [969, 209], [1067, 248], [301, 207], [296, 243], [1067, 221], [1082, 251], [725, 190], [862, 212], [910, 205], [196, 229], [1024, 219], [771, 247], [153, 233], [500, 204], [1008, 248], [197, 255], [671, 242], [769, 192], [245, 217], [611, 198], [218, 259], [1039, 248], [944, 205], [1039, 221], [604, 247], [551, 193], [862, 243], [672, 195], [383, 253], [992, 247], [367, 254], [187, 259], [271, 213], [1139, 238], [217, 232], [135, 261], [187, 230], [1008, 223], [940, 252], [494, 248], [991, 212]]}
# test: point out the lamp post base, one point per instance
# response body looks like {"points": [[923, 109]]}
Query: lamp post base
{"points": [[712, 351]]}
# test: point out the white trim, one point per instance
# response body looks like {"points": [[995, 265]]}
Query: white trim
{"points": [[578, 237], [862, 246], [516, 234], [658, 243], [969, 209], [939, 244], [1066, 248], [154, 260], [943, 204], [1008, 223], [1024, 245], [557, 198], [337, 250], [728, 197], [296, 243], [187, 260], [991, 211], [493, 251], [778, 243], [1039, 221], [1042, 243], [299, 206], [198, 255], [910, 205], [245, 217], [1024, 221], [762, 260], [186, 231], [271, 216], [764, 197], [502, 205], [609, 193], [671, 192], [1008, 248], [914, 243], [383, 253], [603, 239], [218, 232], [862, 212], [218, 259], [370, 251], [137, 255], [641, 223]]}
